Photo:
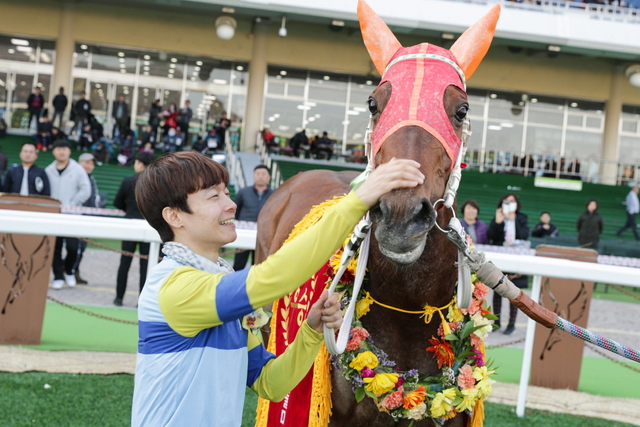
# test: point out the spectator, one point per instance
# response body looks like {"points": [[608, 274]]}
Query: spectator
{"points": [[71, 186], [474, 227], [212, 140], [102, 153], [87, 137], [154, 117], [148, 146], [590, 226], [325, 145], [172, 141], [200, 146], [633, 207], [27, 178], [126, 200], [127, 142], [88, 163], [249, 202], [299, 141], [59, 103], [184, 117], [4, 161], [221, 129], [82, 111], [544, 228], [120, 114], [509, 228], [170, 118], [149, 136], [35, 104], [44, 137]]}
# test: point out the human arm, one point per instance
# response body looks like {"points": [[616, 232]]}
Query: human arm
{"points": [[280, 375], [496, 233], [522, 227], [83, 189], [600, 224], [120, 200], [538, 230], [46, 187]]}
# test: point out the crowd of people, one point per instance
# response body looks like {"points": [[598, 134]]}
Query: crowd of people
{"points": [[167, 129], [317, 147]]}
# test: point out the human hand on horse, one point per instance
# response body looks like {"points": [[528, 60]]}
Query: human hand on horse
{"points": [[397, 173], [325, 310]]}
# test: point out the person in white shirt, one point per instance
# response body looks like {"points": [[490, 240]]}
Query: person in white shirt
{"points": [[633, 207], [69, 184]]}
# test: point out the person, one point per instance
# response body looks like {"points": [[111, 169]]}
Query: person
{"points": [[155, 112], [57, 134], [87, 137], [221, 127], [127, 142], [27, 178], [147, 146], [4, 161], [44, 136], [148, 136], [125, 200], [70, 185], [82, 111], [509, 227], [184, 117], [199, 146], [59, 103], [474, 227], [212, 140], [170, 118], [101, 153], [298, 141], [249, 202], [172, 141], [195, 359], [120, 114], [35, 104], [88, 163], [590, 225], [325, 145], [544, 228], [633, 207]]}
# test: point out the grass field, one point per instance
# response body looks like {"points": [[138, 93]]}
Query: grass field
{"points": [[56, 400]]}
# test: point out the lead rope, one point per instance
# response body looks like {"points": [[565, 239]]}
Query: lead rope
{"points": [[360, 240]]}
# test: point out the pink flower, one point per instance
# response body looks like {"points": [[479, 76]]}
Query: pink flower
{"points": [[476, 341], [465, 379], [479, 357], [481, 290], [399, 382], [358, 334], [393, 400], [367, 373], [473, 308], [452, 325]]}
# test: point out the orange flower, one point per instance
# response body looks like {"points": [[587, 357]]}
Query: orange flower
{"points": [[442, 351], [414, 398], [480, 290]]}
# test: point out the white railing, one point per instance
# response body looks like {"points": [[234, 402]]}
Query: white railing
{"points": [[22, 222]]}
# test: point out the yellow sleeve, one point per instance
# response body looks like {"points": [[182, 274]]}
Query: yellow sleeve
{"points": [[279, 376], [294, 263]]}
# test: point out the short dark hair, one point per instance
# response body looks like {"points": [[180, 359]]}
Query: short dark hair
{"points": [[261, 167], [593, 200], [169, 180], [145, 157], [470, 202], [545, 212]]}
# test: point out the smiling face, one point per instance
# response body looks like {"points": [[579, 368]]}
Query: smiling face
{"points": [[210, 225]]}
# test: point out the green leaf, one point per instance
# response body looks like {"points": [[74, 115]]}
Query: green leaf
{"points": [[370, 393], [451, 337], [456, 401], [465, 354], [491, 316], [360, 393], [468, 329]]}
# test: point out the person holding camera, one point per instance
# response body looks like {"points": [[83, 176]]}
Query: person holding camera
{"points": [[510, 228]]}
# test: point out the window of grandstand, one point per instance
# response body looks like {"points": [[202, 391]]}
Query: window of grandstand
{"points": [[630, 134]]}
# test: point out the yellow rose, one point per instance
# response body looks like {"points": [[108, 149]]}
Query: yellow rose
{"points": [[381, 383], [363, 306], [364, 360]]}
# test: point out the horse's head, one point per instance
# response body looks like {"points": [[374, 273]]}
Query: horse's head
{"points": [[418, 112]]}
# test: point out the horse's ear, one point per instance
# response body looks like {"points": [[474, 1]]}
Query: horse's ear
{"points": [[474, 43], [381, 43]]}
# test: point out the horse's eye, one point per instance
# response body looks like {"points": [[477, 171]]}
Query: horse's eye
{"points": [[373, 106], [461, 114]]}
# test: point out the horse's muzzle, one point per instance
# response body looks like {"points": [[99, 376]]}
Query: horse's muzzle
{"points": [[401, 230]]}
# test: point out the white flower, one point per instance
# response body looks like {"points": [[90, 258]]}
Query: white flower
{"points": [[478, 320], [417, 412]]}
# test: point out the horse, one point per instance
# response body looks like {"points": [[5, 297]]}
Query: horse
{"points": [[411, 264]]}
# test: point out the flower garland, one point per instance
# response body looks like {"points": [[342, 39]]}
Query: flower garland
{"points": [[463, 382]]}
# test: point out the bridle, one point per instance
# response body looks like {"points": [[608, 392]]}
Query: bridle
{"points": [[361, 237]]}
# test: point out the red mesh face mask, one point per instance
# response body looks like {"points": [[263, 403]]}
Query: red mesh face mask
{"points": [[418, 83]]}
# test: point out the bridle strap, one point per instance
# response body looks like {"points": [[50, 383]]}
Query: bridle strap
{"points": [[428, 56]]}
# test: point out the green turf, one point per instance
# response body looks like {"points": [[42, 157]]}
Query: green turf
{"points": [[105, 401], [597, 376], [66, 329]]}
